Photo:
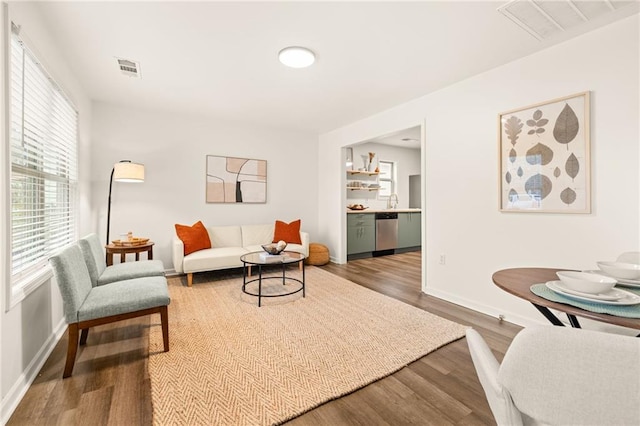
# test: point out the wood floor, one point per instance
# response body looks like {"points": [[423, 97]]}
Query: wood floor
{"points": [[110, 383]]}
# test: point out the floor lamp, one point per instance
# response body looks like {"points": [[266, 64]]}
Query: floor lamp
{"points": [[123, 171]]}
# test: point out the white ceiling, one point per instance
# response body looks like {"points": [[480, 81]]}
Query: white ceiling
{"points": [[220, 59], [407, 138]]}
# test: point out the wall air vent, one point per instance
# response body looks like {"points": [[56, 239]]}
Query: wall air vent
{"points": [[546, 18], [129, 67]]}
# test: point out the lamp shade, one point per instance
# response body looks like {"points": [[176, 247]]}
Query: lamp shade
{"points": [[126, 171]]}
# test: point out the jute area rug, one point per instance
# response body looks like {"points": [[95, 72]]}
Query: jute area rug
{"points": [[232, 363]]}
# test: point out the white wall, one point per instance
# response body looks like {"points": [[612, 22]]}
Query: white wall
{"points": [[29, 330], [407, 163], [173, 148], [461, 179]]}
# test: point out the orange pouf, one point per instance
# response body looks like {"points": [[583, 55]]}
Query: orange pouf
{"points": [[318, 255]]}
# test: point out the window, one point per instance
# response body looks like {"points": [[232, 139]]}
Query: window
{"points": [[43, 153], [386, 178]]}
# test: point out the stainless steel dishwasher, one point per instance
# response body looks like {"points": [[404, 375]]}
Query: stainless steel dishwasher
{"points": [[386, 231]]}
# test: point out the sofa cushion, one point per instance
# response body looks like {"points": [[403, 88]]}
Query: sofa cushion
{"points": [[225, 236], [193, 237], [298, 248], [256, 235], [287, 232], [213, 258]]}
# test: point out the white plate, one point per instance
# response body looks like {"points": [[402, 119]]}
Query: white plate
{"points": [[621, 281], [628, 299], [613, 294]]}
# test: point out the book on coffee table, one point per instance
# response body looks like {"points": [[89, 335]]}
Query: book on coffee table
{"points": [[269, 258]]}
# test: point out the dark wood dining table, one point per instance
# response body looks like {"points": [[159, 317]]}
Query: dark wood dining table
{"points": [[518, 281]]}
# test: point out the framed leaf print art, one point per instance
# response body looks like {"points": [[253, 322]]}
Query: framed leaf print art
{"points": [[544, 157]]}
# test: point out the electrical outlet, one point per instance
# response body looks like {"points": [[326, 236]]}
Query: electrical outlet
{"points": [[443, 259]]}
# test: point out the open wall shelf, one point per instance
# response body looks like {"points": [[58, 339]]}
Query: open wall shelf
{"points": [[362, 172]]}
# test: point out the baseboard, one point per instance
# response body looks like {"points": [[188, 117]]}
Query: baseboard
{"points": [[171, 273], [511, 317], [20, 387]]}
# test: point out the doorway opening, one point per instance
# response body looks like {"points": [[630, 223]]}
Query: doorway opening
{"points": [[384, 178]]}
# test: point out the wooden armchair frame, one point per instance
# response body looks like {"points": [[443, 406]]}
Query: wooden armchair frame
{"points": [[84, 326]]}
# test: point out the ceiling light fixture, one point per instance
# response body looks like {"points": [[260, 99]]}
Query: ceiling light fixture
{"points": [[296, 57]]}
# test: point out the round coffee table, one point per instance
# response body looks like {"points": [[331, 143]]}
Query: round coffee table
{"points": [[259, 259]]}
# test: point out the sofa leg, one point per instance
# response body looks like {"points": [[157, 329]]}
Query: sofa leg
{"points": [[72, 348], [164, 319], [300, 265], [189, 280]]}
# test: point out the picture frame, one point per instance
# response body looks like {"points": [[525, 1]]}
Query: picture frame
{"points": [[235, 180], [349, 158], [544, 157]]}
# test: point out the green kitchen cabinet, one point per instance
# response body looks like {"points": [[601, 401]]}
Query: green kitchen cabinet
{"points": [[361, 233], [409, 229]]}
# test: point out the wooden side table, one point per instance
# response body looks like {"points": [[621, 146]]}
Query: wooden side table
{"points": [[112, 249]]}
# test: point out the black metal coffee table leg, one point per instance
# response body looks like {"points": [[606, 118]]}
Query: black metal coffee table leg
{"points": [[259, 285]]}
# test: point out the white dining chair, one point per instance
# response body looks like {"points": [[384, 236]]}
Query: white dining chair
{"points": [[561, 376]]}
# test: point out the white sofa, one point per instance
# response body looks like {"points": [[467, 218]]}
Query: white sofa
{"points": [[228, 243]]}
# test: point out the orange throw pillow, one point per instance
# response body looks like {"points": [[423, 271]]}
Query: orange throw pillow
{"points": [[193, 237], [287, 232]]}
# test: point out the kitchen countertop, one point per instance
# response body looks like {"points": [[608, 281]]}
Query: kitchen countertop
{"points": [[385, 211]]}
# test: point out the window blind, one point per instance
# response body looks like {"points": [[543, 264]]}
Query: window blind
{"points": [[43, 185]]}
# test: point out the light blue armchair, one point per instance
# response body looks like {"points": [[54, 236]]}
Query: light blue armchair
{"points": [[102, 274], [86, 306]]}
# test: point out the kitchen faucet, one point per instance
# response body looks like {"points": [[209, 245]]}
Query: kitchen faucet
{"points": [[392, 198]]}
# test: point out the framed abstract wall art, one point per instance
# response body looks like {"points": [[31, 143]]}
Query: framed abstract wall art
{"points": [[236, 180], [544, 157]]}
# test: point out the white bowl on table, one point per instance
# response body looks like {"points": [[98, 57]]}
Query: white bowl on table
{"points": [[586, 282], [629, 257], [627, 271]]}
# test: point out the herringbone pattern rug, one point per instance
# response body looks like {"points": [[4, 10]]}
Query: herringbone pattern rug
{"points": [[232, 363]]}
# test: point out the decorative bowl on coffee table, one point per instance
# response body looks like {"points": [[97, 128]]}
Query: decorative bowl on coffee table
{"points": [[274, 248]]}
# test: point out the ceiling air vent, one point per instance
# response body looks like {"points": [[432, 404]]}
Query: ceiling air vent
{"points": [[544, 18], [129, 68]]}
